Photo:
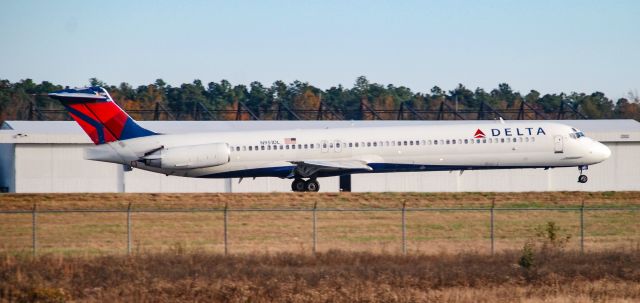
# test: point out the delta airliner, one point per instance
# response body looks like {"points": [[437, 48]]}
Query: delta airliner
{"points": [[304, 155]]}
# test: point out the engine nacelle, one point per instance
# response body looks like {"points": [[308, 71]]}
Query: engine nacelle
{"points": [[192, 156]]}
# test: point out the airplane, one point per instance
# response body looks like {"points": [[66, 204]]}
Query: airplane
{"points": [[304, 155]]}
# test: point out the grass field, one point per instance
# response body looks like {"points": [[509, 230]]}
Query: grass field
{"points": [[334, 276], [427, 232], [178, 257]]}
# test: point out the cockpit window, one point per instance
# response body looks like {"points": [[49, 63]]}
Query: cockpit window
{"points": [[576, 134]]}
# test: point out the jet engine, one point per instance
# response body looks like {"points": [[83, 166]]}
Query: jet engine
{"points": [[188, 157]]}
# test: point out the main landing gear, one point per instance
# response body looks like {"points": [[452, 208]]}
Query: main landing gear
{"points": [[582, 178], [300, 185]]}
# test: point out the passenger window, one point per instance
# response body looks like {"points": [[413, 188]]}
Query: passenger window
{"points": [[268, 147], [453, 141], [262, 147], [526, 139], [306, 146], [293, 146], [448, 141], [484, 140], [435, 142], [386, 143], [356, 144], [375, 144], [244, 148], [237, 148], [502, 140], [411, 143], [393, 143], [368, 144], [515, 140], [424, 142], [466, 141], [350, 144], [250, 149], [311, 146], [324, 145], [286, 146], [533, 139]]}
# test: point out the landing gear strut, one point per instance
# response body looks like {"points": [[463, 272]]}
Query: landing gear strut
{"points": [[582, 178], [300, 185]]}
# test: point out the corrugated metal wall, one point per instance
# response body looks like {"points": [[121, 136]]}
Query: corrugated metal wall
{"points": [[61, 168]]}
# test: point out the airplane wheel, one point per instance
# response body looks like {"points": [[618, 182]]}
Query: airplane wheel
{"points": [[298, 185], [312, 185], [583, 179]]}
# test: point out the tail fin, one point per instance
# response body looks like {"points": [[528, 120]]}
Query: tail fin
{"points": [[101, 118]]}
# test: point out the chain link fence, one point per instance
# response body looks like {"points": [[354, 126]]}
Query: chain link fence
{"points": [[403, 229]]}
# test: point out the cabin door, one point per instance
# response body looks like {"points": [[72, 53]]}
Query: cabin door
{"points": [[557, 144]]}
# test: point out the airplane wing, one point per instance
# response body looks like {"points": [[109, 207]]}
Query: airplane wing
{"points": [[331, 167]]}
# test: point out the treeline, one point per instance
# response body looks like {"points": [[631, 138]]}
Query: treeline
{"points": [[221, 99]]}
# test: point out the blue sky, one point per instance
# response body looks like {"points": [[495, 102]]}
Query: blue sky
{"points": [[551, 46]]}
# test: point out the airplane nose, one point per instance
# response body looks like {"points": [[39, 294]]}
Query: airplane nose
{"points": [[601, 152]]}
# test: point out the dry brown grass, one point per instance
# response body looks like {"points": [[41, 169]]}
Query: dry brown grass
{"points": [[212, 200], [334, 276], [427, 232]]}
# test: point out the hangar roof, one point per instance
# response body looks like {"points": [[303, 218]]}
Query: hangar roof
{"points": [[626, 130]]}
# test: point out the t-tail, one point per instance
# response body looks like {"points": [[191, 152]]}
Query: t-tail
{"points": [[101, 118]]}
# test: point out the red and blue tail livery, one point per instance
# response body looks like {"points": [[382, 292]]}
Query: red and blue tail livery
{"points": [[101, 118]]}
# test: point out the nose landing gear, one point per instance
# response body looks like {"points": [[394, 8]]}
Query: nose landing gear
{"points": [[310, 185], [582, 178]]}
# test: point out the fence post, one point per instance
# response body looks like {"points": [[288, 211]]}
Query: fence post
{"points": [[582, 227], [404, 227], [492, 236], [129, 229], [226, 207], [315, 228], [34, 223]]}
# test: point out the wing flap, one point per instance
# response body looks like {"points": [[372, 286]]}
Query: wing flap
{"points": [[313, 168], [337, 164]]}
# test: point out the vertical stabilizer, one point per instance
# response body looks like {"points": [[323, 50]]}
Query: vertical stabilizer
{"points": [[101, 118]]}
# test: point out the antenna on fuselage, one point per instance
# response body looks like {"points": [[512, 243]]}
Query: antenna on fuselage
{"points": [[502, 121]]}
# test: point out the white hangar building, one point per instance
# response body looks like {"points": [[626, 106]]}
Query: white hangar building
{"points": [[47, 156]]}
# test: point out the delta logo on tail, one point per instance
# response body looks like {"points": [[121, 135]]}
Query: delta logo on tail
{"points": [[479, 134], [101, 118]]}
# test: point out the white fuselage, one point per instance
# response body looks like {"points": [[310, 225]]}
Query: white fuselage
{"points": [[385, 149]]}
